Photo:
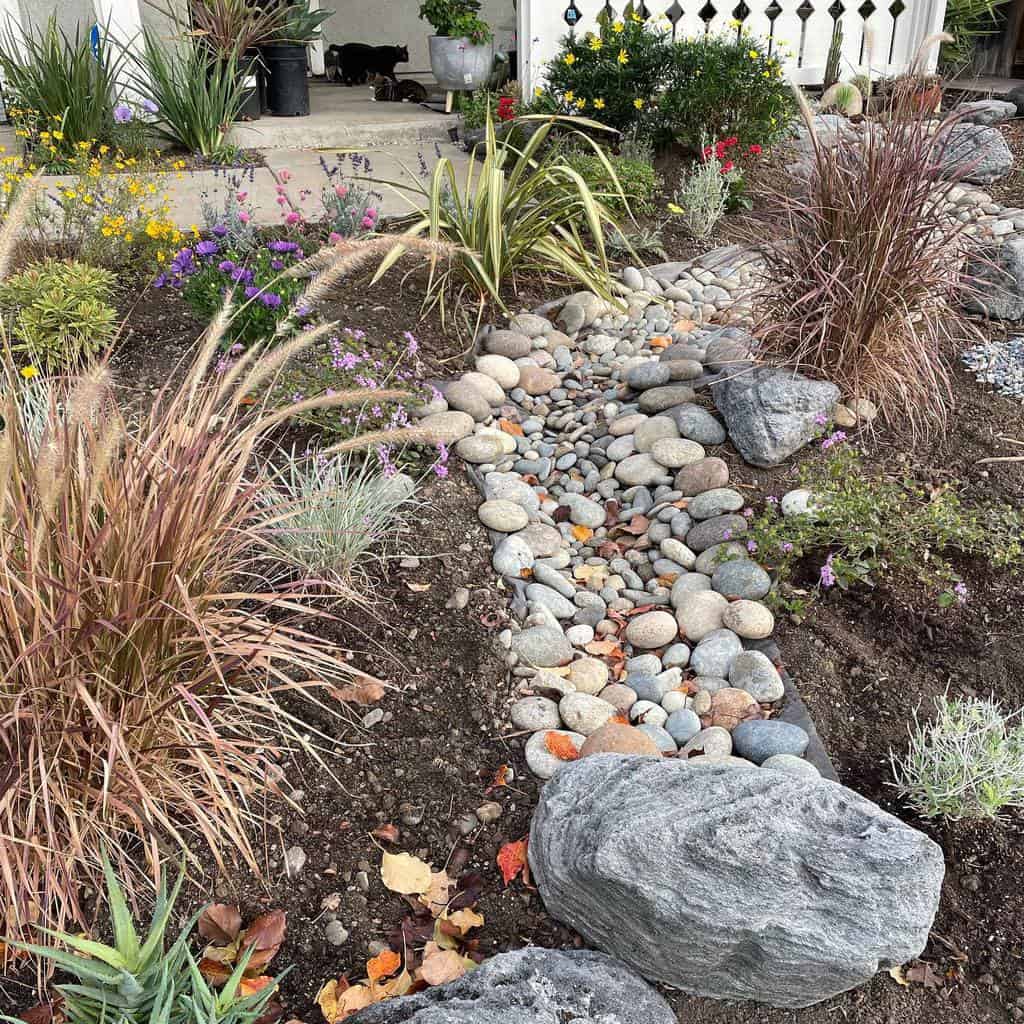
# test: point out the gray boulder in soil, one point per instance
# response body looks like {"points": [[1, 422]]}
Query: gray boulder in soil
{"points": [[732, 882], [532, 986], [974, 153], [997, 281], [770, 413]]}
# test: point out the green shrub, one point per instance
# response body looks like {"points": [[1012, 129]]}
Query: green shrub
{"points": [[614, 74], [139, 980], [869, 529], [721, 86], [966, 763], [518, 211], [702, 199], [54, 83], [640, 182], [60, 312]]}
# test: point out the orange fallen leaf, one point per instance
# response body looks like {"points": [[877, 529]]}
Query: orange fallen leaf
{"points": [[512, 859], [247, 400], [220, 923], [386, 833], [619, 719], [367, 692], [466, 920], [500, 778], [215, 973], [526, 574], [250, 986], [267, 931], [603, 648], [637, 526], [582, 533], [684, 326], [383, 965], [660, 341], [561, 746], [441, 966], [511, 428]]}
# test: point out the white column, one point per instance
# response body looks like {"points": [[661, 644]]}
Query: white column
{"points": [[541, 26], [316, 48], [928, 18], [10, 21], [120, 21]]}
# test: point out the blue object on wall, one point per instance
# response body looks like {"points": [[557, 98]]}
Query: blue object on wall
{"points": [[94, 41]]}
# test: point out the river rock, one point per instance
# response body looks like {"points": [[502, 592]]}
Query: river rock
{"points": [[653, 430], [511, 487], [535, 380], [500, 369], [700, 612], [683, 725], [648, 375], [486, 385], [543, 540], [479, 449], [584, 713], [989, 112], [546, 597], [697, 424], [759, 739], [974, 153], [699, 890], [589, 675], [715, 653], [530, 324], [446, 427], [535, 713], [639, 470], [616, 738], [717, 502], [792, 765], [503, 516], [651, 630], [741, 577], [715, 530], [620, 696], [997, 281], [542, 647], [466, 397], [660, 399], [584, 511], [771, 412], [675, 452], [749, 619], [700, 476], [510, 344], [512, 556], [540, 760], [754, 672]]}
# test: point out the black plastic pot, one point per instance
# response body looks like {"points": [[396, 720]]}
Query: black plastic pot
{"points": [[287, 85], [250, 70]]}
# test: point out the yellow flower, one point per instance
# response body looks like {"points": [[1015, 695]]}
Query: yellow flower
{"points": [[619, 27], [196, 233], [675, 208], [735, 23], [766, 74], [638, 103], [104, 149], [538, 92], [636, 17], [28, 372], [753, 54], [570, 96], [59, 136], [595, 43], [623, 57], [581, 103], [570, 59], [599, 104]]}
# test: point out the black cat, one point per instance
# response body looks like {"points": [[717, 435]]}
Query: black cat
{"points": [[356, 62]]}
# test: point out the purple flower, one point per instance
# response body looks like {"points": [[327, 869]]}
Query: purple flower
{"points": [[827, 574], [751, 546], [821, 419], [283, 246], [772, 500], [251, 291], [833, 439], [412, 346], [149, 106], [387, 466], [787, 548], [276, 265], [161, 281], [727, 535], [748, 513], [122, 114], [219, 230], [271, 300], [207, 249], [961, 592], [440, 467], [242, 275], [225, 266]]}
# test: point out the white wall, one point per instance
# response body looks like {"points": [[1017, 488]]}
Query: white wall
{"points": [[396, 22]]}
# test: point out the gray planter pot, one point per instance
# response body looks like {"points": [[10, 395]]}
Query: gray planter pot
{"points": [[458, 64]]}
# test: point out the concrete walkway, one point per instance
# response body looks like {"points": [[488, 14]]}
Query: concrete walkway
{"points": [[301, 173]]}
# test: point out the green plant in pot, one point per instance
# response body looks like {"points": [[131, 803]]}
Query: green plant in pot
{"points": [[462, 50], [284, 57]]}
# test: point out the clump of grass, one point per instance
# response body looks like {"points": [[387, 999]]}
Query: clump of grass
{"points": [[861, 281], [967, 763], [143, 649]]}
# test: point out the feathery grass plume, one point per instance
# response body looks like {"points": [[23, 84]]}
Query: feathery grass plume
{"points": [[861, 281], [144, 653]]}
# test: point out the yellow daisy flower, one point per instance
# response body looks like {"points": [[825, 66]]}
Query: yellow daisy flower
{"points": [[28, 372], [581, 103], [570, 59], [570, 96], [595, 43], [599, 104], [638, 103], [619, 27], [753, 54], [623, 57]]}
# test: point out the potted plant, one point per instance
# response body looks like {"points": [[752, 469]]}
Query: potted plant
{"points": [[462, 51], [284, 57]]}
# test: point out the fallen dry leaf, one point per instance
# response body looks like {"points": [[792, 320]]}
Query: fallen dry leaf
{"points": [[561, 746], [637, 526], [405, 874], [511, 428], [582, 533], [465, 920], [367, 692], [660, 341], [220, 923], [383, 965], [418, 588], [512, 859], [500, 779], [602, 647], [337, 1000], [213, 971], [437, 897], [387, 833], [922, 974], [684, 326], [440, 966], [267, 931], [897, 975], [331, 901], [250, 986]]}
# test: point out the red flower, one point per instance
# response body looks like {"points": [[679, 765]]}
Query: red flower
{"points": [[754, 150], [731, 141], [727, 167], [506, 108]]}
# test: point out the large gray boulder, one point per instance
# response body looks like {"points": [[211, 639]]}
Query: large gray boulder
{"points": [[990, 111], [732, 882], [974, 153], [532, 986], [771, 412], [997, 281]]}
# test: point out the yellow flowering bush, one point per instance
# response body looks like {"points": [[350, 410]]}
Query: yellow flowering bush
{"points": [[109, 210], [614, 73]]}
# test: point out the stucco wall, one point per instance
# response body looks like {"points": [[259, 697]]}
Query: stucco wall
{"points": [[396, 22]]}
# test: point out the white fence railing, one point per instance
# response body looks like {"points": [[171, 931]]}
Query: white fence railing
{"points": [[798, 31]]}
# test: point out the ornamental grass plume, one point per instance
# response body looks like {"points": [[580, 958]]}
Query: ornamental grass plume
{"points": [[862, 282], [152, 672]]}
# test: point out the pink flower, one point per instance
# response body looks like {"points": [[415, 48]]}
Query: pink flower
{"points": [[367, 223], [334, 238], [341, 191], [292, 217], [371, 211], [828, 576], [244, 216], [751, 546], [284, 175], [242, 196]]}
